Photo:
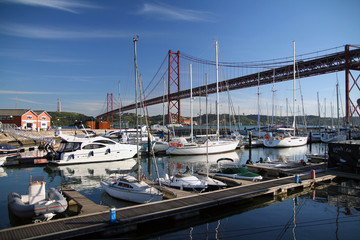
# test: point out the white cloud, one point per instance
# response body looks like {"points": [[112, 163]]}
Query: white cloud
{"points": [[28, 31], [90, 108], [168, 12], [62, 5], [25, 100], [37, 93]]}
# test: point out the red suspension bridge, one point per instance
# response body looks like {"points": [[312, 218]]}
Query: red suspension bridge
{"points": [[266, 72]]}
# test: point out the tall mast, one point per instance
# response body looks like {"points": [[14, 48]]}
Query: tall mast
{"points": [[258, 105], [191, 107], [207, 128], [273, 99], [337, 103], [319, 113], [217, 90], [163, 101], [119, 107], [287, 112], [136, 103], [294, 97]]}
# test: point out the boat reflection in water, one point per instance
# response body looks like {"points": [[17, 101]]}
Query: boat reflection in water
{"points": [[200, 163], [87, 176], [295, 154]]}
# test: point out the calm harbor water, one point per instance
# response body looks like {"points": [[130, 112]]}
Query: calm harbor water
{"points": [[331, 211]]}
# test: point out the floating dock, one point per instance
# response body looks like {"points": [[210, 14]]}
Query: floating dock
{"points": [[97, 222]]}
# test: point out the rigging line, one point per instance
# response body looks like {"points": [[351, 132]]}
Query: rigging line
{"points": [[302, 97], [155, 86], [263, 62], [156, 72], [232, 110], [236, 65], [103, 107]]}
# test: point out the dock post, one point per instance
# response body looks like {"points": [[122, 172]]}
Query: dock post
{"points": [[250, 139], [112, 215], [310, 139], [313, 174], [297, 179]]}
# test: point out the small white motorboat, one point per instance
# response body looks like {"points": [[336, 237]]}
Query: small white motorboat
{"points": [[39, 203], [127, 187], [212, 183], [183, 182]]}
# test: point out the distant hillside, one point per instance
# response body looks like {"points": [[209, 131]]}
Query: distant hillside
{"points": [[64, 119]]}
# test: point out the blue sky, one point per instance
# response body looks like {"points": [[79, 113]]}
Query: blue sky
{"points": [[78, 50]]}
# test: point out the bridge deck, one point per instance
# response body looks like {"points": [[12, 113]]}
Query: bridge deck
{"points": [[129, 217]]}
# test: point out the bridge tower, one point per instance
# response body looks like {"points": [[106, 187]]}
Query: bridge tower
{"points": [[109, 106], [352, 105], [174, 111]]}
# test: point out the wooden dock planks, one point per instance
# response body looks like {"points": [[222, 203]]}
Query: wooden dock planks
{"points": [[85, 205], [130, 216]]}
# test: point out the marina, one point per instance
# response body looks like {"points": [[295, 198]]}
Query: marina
{"points": [[90, 208], [238, 120], [180, 208]]}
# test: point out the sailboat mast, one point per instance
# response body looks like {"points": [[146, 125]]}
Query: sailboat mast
{"points": [[294, 97], [337, 103], [258, 105], [163, 101], [119, 107], [191, 107], [136, 104], [217, 90], [207, 128], [318, 108], [273, 100]]}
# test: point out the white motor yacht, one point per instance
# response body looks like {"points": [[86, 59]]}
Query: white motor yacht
{"points": [[75, 150]]}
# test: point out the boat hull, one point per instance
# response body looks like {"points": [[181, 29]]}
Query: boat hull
{"points": [[55, 203], [285, 142], [96, 155], [201, 149], [326, 138], [131, 196], [189, 183]]}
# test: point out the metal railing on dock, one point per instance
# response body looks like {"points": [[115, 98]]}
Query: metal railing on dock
{"points": [[12, 130]]}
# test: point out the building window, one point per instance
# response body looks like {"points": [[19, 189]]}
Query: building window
{"points": [[29, 117], [43, 118]]}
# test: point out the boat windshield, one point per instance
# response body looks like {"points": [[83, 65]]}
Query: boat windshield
{"points": [[69, 146]]}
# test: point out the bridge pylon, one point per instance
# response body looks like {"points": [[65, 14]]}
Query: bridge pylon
{"points": [[174, 110], [351, 72]]}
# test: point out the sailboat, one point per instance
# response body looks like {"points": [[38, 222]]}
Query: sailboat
{"points": [[286, 139], [208, 146], [334, 136], [127, 187]]}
